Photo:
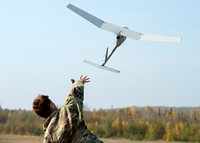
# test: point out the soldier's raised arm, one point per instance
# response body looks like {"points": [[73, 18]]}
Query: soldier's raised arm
{"points": [[74, 102]]}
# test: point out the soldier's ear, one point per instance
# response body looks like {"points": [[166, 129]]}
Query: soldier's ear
{"points": [[72, 80]]}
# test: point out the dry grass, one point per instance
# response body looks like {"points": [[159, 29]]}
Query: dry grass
{"points": [[36, 139], [19, 139]]}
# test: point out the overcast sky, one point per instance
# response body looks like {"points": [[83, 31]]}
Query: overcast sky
{"points": [[43, 45]]}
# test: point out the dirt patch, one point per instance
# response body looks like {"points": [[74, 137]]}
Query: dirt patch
{"points": [[39, 139]]}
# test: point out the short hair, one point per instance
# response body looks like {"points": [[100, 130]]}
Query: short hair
{"points": [[41, 106]]}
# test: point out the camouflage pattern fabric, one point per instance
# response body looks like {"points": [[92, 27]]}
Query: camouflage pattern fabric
{"points": [[66, 125]]}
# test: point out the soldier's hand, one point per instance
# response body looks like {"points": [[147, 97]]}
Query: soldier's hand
{"points": [[85, 79]]}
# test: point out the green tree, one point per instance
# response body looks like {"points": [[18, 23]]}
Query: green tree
{"points": [[155, 131], [108, 129]]}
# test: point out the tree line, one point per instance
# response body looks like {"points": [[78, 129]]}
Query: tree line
{"points": [[136, 123]]}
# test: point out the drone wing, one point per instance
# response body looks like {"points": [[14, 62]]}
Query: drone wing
{"points": [[104, 25], [121, 30]]}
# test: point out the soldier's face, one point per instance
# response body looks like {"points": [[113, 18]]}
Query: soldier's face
{"points": [[52, 106]]}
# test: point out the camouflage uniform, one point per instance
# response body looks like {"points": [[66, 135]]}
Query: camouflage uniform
{"points": [[66, 125]]}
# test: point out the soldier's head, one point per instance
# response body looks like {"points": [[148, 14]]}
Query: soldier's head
{"points": [[43, 106]]}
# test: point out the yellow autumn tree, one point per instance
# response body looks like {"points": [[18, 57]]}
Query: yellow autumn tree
{"points": [[117, 126], [168, 131]]}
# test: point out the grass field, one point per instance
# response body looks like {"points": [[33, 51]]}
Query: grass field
{"points": [[36, 139]]}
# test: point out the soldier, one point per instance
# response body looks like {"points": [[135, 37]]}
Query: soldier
{"points": [[65, 125]]}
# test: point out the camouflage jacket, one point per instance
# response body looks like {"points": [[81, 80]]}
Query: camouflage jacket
{"points": [[66, 125]]}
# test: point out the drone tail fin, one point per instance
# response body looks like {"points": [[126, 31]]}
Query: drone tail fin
{"points": [[105, 56]]}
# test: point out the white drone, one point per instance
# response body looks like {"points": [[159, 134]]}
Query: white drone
{"points": [[122, 33]]}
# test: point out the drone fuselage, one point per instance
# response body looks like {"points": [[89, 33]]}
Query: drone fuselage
{"points": [[120, 40]]}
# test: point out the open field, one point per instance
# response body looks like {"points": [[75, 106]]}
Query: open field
{"points": [[36, 139]]}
